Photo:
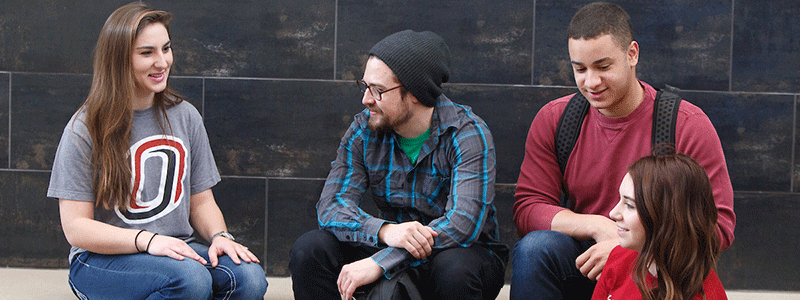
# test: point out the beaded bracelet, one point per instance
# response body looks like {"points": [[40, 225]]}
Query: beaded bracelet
{"points": [[136, 238], [148, 243]]}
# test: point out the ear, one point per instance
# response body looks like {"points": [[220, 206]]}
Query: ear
{"points": [[633, 53], [406, 95]]}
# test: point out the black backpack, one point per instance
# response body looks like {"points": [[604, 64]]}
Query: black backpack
{"points": [[665, 115]]}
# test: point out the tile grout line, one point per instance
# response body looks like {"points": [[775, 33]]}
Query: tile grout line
{"points": [[794, 143], [203, 98], [335, 35], [9, 120], [730, 54], [533, 42], [266, 224]]}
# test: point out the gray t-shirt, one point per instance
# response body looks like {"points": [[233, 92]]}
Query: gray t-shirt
{"points": [[166, 170]]}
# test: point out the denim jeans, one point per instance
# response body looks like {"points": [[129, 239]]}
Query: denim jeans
{"points": [[472, 272], [544, 267], [145, 276]]}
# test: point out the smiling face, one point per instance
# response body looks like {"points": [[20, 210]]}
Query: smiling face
{"points": [[393, 110], [629, 225], [605, 74], [151, 62]]}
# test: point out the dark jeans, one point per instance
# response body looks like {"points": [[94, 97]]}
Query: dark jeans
{"points": [[544, 267], [456, 273]]}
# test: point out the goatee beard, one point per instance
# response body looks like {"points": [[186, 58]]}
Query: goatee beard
{"points": [[380, 127]]}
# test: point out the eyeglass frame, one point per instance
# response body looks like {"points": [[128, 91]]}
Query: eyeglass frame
{"points": [[366, 87]]}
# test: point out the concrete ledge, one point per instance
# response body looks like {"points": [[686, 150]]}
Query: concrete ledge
{"points": [[52, 284]]}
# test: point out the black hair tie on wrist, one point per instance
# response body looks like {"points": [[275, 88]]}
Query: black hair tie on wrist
{"points": [[135, 239], [148, 243]]}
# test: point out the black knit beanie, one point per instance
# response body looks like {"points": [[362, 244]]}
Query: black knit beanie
{"points": [[421, 61]]}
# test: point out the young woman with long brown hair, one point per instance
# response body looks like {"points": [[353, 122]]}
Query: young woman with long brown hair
{"points": [[668, 237], [133, 174]]}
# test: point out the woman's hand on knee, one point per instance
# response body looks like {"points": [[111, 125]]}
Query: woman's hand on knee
{"points": [[224, 246], [172, 247]]}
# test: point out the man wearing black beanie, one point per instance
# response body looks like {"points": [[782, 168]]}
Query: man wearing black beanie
{"points": [[430, 166]]}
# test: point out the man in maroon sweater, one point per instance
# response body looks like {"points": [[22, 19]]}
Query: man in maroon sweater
{"points": [[563, 251]]}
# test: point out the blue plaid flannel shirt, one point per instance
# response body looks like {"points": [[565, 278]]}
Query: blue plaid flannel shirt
{"points": [[450, 189]]}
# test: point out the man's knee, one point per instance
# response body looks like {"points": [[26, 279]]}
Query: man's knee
{"points": [[470, 272], [310, 248], [547, 243]]}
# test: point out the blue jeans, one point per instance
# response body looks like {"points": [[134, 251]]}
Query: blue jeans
{"points": [[145, 276], [544, 267]]}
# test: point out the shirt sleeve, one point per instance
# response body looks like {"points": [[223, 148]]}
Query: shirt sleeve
{"points": [[72, 174], [204, 173], [539, 184], [697, 138], [471, 187], [338, 208]]}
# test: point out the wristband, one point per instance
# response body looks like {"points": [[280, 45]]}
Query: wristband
{"points": [[148, 243], [135, 239]]}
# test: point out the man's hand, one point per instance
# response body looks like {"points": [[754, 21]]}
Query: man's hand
{"points": [[592, 262], [604, 232], [416, 238], [356, 274]]}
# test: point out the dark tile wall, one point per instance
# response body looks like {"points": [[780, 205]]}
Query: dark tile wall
{"points": [[32, 235], [761, 256], [765, 46], [274, 82]]}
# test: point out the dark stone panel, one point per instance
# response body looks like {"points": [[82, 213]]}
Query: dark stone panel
{"points": [[504, 205], [43, 104], [190, 88], [41, 107], [45, 36], [291, 213], [280, 39], [765, 46], [508, 111], [278, 128], [4, 92], [764, 254], [490, 41], [685, 44], [31, 227], [243, 204], [756, 135]]}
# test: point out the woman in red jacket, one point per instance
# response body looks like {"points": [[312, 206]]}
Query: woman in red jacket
{"points": [[667, 226]]}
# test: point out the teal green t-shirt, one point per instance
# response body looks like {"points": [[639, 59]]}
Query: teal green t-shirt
{"points": [[412, 146]]}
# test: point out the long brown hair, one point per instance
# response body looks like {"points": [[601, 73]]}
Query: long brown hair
{"points": [[676, 206], [109, 106]]}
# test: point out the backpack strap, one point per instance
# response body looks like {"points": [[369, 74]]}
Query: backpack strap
{"points": [[569, 128], [665, 115], [567, 132]]}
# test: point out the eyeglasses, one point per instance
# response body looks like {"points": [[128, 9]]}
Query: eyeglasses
{"points": [[375, 93]]}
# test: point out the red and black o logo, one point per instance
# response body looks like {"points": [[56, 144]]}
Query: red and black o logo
{"points": [[159, 164]]}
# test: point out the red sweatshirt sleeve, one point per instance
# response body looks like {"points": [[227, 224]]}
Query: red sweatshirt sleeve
{"points": [[539, 184], [695, 136]]}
